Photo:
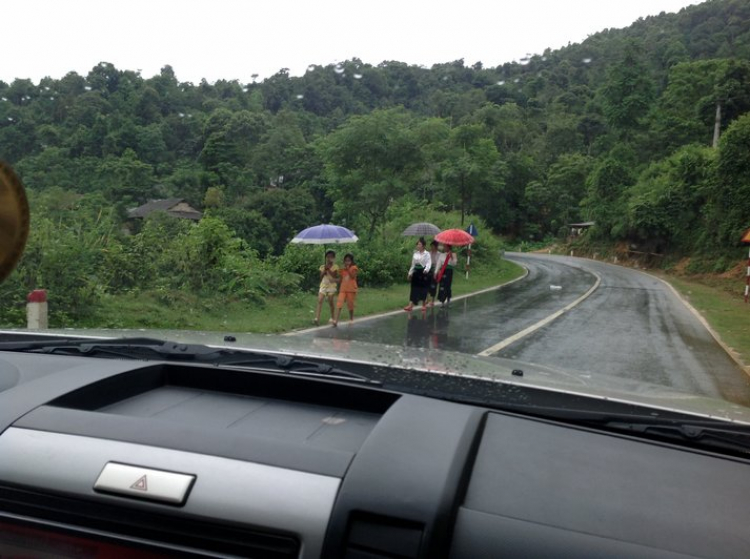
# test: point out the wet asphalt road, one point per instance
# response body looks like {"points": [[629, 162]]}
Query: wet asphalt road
{"points": [[631, 327]]}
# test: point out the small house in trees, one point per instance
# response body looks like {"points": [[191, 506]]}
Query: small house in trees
{"points": [[174, 207], [578, 229]]}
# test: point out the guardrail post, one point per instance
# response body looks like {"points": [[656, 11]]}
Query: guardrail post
{"points": [[36, 310]]}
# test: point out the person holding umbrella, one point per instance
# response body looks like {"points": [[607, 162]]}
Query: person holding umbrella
{"points": [[329, 277], [432, 284], [419, 276], [326, 234], [446, 261]]}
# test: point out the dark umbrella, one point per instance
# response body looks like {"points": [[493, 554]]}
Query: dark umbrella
{"points": [[422, 229]]}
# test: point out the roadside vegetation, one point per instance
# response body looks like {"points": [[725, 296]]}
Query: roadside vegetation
{"points": [[719, 299], [273, 315]]}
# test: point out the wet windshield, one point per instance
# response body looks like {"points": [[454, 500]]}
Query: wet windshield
{"points": [[558, 190]]}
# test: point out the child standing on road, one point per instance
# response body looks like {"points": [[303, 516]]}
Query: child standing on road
{"points": [[349, 288], [329, 277]]}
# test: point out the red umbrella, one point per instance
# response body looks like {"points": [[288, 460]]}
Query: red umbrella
{"points": [[454, 237]]}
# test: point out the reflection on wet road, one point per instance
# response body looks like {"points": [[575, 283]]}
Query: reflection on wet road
{"points": [[631, 327], [476, 323]]}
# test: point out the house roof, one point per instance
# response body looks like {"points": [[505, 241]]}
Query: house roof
{"points": [[176, 207]]}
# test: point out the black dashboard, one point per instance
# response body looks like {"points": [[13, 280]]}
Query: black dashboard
{"points": [[118, 457]]}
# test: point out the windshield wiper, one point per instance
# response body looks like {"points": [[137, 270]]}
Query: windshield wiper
{"points": [[153, 349], [695, 432], [713, 434], [709, 434]]}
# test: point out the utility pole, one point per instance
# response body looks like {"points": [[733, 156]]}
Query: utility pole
{"points": [[717, 125]]}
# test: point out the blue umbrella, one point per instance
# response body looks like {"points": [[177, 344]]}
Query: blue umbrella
{"points": [[325, 235]]}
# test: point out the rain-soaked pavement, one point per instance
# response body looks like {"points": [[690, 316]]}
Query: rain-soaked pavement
{"points": [[631, 326]]}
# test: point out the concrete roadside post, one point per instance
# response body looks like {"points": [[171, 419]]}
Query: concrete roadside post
{"points": [[746, 241], [36, 310]]}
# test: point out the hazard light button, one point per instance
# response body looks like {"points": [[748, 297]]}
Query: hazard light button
{"points": [[144, 483]]}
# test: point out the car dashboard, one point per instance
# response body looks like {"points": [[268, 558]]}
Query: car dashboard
{"points": [[109, 457]]}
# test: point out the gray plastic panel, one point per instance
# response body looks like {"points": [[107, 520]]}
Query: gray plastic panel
{"points": [[250, 494], [226, 443], [480, 534], [612, 487], [39, 379], [282, 420], [410, 471]]}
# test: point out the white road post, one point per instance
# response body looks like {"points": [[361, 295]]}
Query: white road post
{"points": [[36, 310]]}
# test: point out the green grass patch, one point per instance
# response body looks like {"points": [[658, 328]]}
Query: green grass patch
{"points": [[177, 310], [721, 304]]}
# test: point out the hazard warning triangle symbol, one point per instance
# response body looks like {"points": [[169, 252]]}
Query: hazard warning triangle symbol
{"points": [[141, 484]]}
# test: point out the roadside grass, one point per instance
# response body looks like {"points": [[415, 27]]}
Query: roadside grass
{"points": [[179, 311], [721, 303]]}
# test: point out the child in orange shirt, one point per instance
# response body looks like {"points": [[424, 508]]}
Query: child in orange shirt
{"points": [[348, 289]]}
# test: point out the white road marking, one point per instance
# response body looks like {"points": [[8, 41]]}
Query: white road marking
{"points": [[534, 327]]}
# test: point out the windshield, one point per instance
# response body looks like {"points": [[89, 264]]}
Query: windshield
{"points": [[550, 195]]}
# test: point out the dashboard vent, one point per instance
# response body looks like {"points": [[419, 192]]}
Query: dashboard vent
{"points": [[371, 537], [123, 523]]}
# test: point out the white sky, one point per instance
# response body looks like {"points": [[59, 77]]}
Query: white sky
{"points": [[233, 39]]}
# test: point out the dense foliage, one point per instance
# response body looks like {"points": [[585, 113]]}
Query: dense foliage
{"points": [[643, 130]]}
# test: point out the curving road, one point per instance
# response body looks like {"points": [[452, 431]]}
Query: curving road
{"points": [[617, 321]]}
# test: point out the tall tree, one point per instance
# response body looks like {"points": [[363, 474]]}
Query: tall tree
{"points": [[371, 160]]}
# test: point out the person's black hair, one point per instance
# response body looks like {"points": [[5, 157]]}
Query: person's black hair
{"points": [[434, 244], [349, 255], [331, 252], [421, 240]]}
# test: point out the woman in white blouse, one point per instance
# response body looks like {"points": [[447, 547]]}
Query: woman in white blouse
{"points": [[419, 276]]}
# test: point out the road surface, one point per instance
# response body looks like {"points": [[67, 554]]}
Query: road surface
{"points": [[598, 319]]}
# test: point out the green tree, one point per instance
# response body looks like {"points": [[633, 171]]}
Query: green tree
{"points": [[628, 91], [371, 161], [468, 169]]}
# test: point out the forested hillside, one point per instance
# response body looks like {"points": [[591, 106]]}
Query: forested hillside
{"points": [[644, 131]]}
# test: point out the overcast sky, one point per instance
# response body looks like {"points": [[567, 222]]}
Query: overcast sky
{"points": [[234, 39]]}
